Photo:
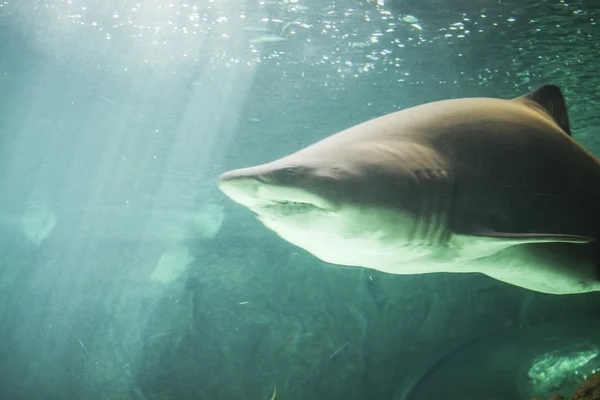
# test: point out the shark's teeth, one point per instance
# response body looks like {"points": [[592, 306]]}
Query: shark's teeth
{"points": [[286, 208]]}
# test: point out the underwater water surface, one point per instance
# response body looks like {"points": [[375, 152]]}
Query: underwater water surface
{"points": [[125, 274]]}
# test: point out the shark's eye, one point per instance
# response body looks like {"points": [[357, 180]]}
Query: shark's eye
{"points": [[291, 171], [290, 174]]}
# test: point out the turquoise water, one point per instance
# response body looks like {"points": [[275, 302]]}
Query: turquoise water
{"points": [[125, 273]]}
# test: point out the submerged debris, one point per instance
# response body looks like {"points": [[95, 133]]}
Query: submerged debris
{"points": [[588, 390]]}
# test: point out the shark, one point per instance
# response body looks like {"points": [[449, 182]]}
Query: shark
{"points": [[468, 185]]}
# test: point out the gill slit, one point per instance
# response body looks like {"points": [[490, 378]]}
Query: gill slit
{"points": [[430, 228]]}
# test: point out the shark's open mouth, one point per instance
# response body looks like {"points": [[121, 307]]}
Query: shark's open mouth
{"points": [[288, 208]]}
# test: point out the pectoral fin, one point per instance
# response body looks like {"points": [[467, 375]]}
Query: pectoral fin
{"points": [[523, 238], [483, 244]]}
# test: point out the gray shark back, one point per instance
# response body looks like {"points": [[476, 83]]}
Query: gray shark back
{"points": [[517, 169]]}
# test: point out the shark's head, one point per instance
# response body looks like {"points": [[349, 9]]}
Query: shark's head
{"points": [[346, 204]]}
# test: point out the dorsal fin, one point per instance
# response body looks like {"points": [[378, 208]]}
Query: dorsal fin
{"points": [[551, 99]]}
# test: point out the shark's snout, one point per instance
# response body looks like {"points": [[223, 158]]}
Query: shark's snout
{"points": [[240, 186], [236, 175]]}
